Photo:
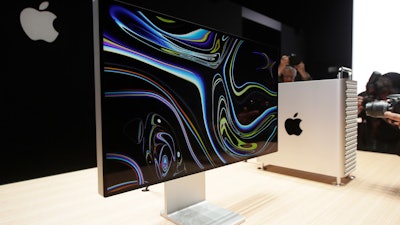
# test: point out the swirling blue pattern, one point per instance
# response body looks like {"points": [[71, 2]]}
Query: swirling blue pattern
{"points": [[179, 99]]}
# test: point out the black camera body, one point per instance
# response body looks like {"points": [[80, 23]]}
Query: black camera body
{"points": [[377, 109], [294, 60]]}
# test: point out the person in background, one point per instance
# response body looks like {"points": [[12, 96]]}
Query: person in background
{"points": [[288, 74], [367, 126], [378, 134], [369, 93], [285, 70]]}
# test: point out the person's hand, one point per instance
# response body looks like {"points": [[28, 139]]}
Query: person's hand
{"points": [[394, 118], [301, 69], [284, 62], [360, 106]]}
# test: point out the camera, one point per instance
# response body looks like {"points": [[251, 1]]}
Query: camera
{"points": [[377, 109], [294, 60]]}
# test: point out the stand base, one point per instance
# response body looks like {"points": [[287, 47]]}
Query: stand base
{"points": [[337, 181], [204, 213]]}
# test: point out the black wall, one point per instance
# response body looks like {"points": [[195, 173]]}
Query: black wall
{"points": [[329, 36], [320, 32], [47, 95]]}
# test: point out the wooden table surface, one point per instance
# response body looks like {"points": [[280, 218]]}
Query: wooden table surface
{"points": [[261, 196]]}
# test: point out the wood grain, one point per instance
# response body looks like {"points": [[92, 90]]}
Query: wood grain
{"points": [[261, 196]]}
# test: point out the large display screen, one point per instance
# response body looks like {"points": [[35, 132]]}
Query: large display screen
{"points": [[174, 98]]}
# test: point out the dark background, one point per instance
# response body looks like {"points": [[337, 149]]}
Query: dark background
{"points": [[48, 102], [320, 32]]}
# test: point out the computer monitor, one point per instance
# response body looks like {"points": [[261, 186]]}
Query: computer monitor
{"points": [[174, 98]]}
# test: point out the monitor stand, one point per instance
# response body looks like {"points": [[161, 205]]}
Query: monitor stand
{"points": [[185, 204]]}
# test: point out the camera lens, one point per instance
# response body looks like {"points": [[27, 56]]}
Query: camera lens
{"points": [[376, 109]]}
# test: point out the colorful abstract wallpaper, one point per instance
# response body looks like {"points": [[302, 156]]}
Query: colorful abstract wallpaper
{"points": [[178, 98]]}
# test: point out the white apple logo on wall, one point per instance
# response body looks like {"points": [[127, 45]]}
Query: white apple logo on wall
{"points": [[38, 24], [292, 125]]}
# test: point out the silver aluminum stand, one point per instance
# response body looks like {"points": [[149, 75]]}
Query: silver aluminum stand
{"points": [[185, 204]]}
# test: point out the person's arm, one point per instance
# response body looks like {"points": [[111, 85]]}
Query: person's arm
{"points": [[301, 69], [360, 106], [394, 118], [284, 62]]}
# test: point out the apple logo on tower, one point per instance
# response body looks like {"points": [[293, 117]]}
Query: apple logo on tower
{"points": [[292, 125], [38, 24]]}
